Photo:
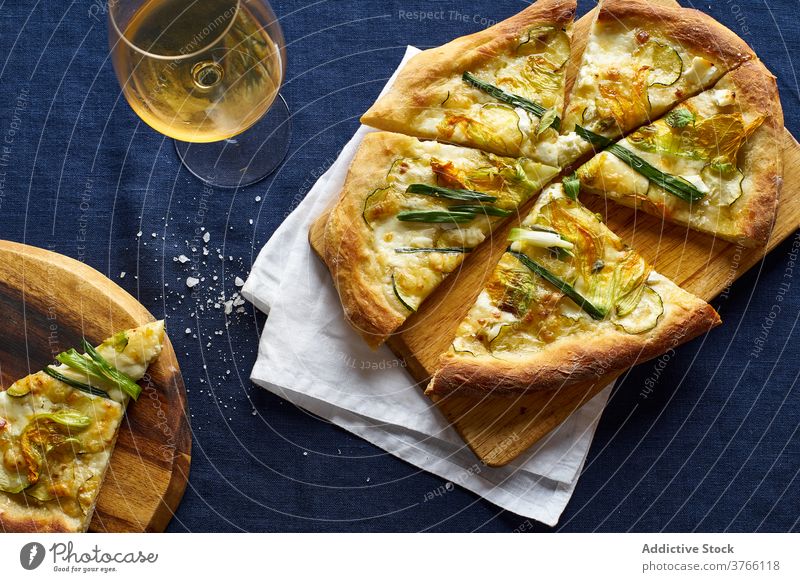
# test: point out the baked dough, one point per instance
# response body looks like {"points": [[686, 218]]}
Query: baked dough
{"points": [[56, 441], [725, 141], [525, 55], [378, 262], [609, 310]]}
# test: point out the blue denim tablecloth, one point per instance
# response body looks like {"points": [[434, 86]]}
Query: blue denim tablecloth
{"points": [[706, 439]]}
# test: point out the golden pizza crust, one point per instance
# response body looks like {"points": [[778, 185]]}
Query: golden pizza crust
{"points": [[567, 361], [757, 91], [348, 246], [687, 26]]}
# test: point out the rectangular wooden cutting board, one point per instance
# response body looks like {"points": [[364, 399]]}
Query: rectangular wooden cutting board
{"points": [[500, 429]]}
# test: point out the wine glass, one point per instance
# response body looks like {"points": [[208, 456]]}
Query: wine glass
{"points": [[206, 73]]}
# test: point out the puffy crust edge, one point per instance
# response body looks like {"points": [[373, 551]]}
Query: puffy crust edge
{"points": [[687, 26], [348, 251], [27, 521], [570, 361], [757, 91], [396, 110]]}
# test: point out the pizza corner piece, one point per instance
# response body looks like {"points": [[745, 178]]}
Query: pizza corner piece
{"points": [[500, 90], [568, 302], [58, 428], [641, 59], [409, 212], [713, 163]]}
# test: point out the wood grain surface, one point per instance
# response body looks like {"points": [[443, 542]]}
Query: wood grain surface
{"points": [[500, 429], [48, 303]]}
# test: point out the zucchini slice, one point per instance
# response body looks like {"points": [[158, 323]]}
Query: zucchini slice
{"points": [[646, 315], [372, 202], [13, 482], [725, 184], [442, 250], [459, 348], [547, 42], [666, 65], [501, 334], [41, 492], [19, 389], [403, 300]]}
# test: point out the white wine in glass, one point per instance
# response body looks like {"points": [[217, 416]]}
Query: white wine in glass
{"points": [[203, 72]]}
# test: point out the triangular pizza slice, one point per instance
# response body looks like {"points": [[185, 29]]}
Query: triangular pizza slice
{"points": [[500, 90], [641, 59], [568, 302], [58, 428], [408, 214], [714, 163]]}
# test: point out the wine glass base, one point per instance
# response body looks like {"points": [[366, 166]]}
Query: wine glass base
{"points": [[246, 158]]}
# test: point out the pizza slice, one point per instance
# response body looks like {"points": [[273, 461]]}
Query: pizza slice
{"points": [[408, 214], [714, 163], [641, 59], [568, 302], [58, 428], [500, 90]]}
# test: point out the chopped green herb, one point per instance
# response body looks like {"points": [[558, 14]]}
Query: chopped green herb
{"points": [[572, 186], [567, 289], [679, 118], [547, 121], [450, 193], [443, 250], [599, 142], [435, 216], [675, 185], [109, 372], [74, 383], [480, 209], [513, 100]]}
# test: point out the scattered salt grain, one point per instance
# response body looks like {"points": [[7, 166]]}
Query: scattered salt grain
{"points": [[238, 282], [207, 237], [191, 281]]}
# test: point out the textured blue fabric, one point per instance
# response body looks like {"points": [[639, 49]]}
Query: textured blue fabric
{"points": [[713, 447]]}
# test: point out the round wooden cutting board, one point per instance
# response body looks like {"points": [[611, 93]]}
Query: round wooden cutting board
{"points": [[48, 302]]}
